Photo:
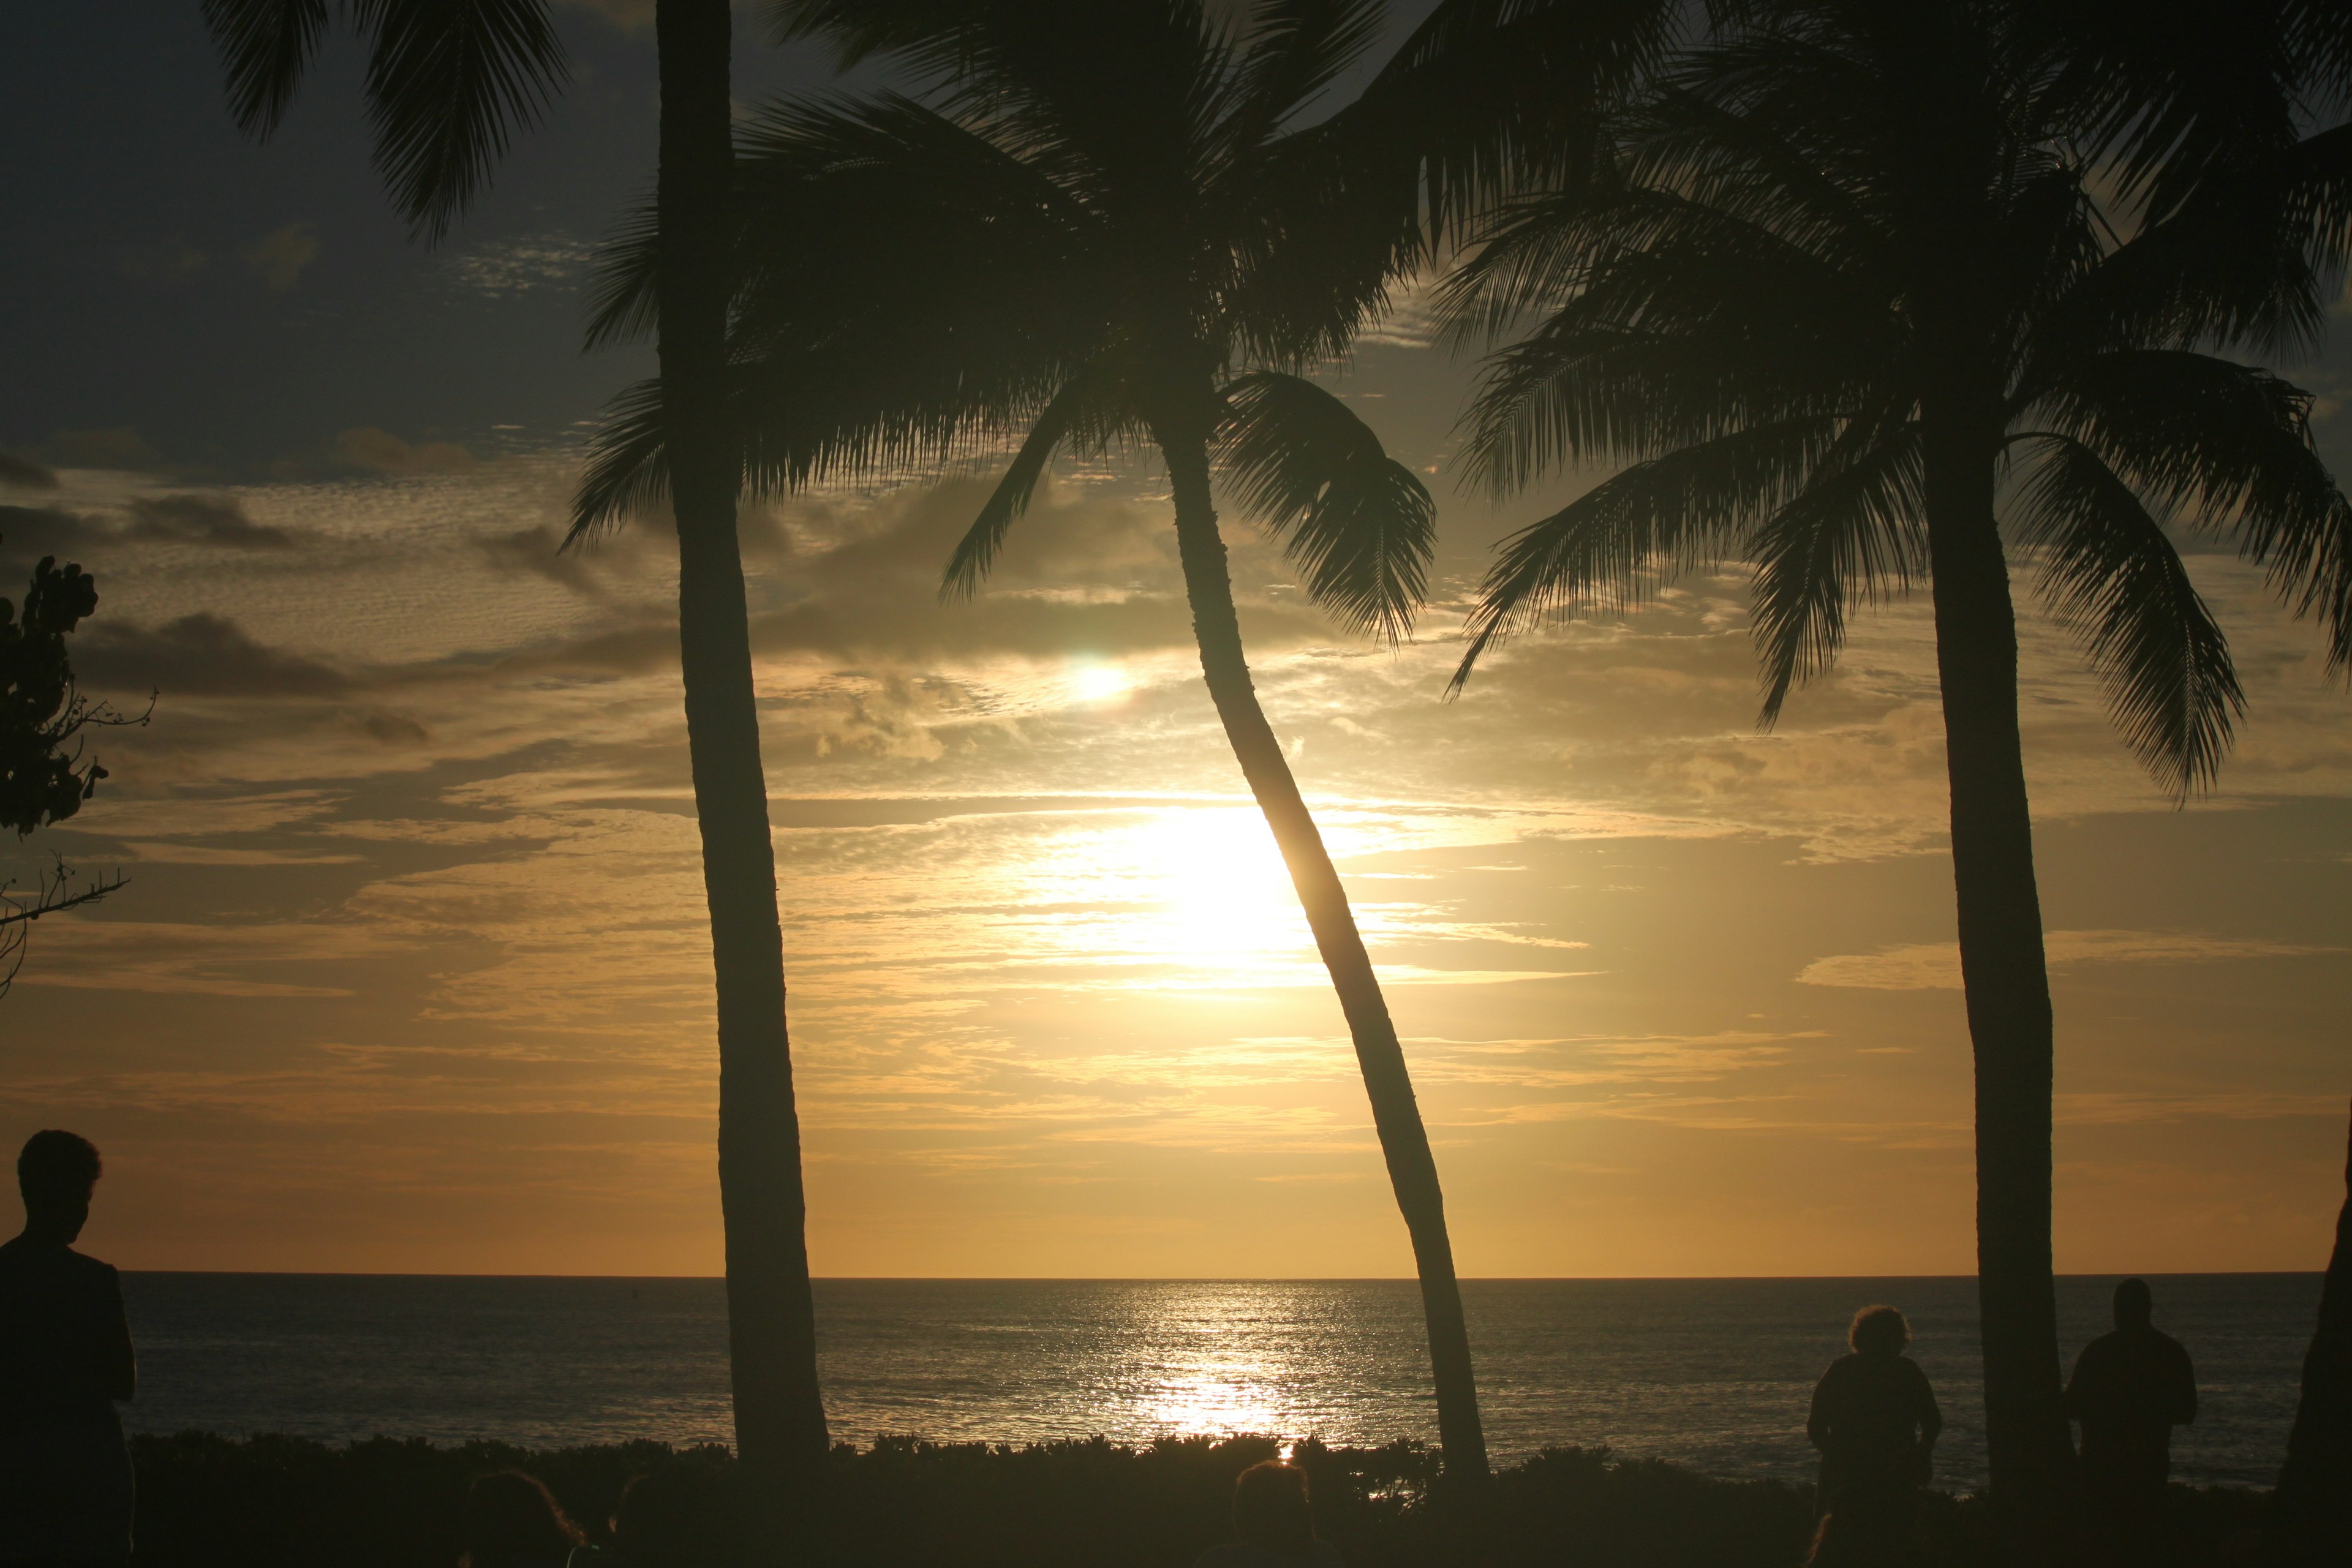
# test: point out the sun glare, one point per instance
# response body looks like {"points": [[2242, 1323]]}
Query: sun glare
{"points": [[1223, 894], [1099, 683]]}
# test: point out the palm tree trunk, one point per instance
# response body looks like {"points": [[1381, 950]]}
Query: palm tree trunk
{"points": [[2311, 1511], [1412, 1171], [780, 1431], [2007, 983]]}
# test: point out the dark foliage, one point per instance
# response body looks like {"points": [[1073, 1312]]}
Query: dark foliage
{"points": [[43, 776], [206, 1502]]}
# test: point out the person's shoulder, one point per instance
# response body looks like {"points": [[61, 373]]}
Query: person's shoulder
{"points": [[90, 1269], [1912, 1370]]}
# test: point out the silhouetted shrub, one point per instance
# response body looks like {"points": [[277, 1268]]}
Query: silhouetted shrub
{"points": [[206, 1502]]}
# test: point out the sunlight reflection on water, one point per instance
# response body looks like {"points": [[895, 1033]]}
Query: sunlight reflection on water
{"points": [[1712, 1373]]}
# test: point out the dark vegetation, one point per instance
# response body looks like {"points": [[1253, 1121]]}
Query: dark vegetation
{"points": [[45, 770], [206, 1502]]}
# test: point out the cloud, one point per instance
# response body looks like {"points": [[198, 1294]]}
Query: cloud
{"points": [[202, 960], [165, 260], [120, 448], [24, 474], [529, 262], [29, 533], [279, 256], [202, 520], [1936, 966], [385, 453], [199, 655]]}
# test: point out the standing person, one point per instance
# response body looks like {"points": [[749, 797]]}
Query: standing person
{"points": [[1273, 1524], [1875, 1422], [65, 1359], [2130, 1388]]}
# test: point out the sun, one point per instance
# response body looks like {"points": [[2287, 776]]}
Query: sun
{"points": [[1224, 894], [1099, 683]]}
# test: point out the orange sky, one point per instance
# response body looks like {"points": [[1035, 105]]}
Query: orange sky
{"points": [[412, 973]]}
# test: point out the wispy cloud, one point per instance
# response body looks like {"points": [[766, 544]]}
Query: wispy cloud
{"points": [[1936, 965]]}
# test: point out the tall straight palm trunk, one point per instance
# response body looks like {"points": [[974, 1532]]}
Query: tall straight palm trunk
{"points": [[2311, 1511], [2003, 972], [780, 1432], [1405, 1141]]}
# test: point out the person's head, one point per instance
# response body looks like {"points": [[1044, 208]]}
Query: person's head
{"points": [[512, 1522], [1271, 1508], [1879, 1330], [57, 1173], [2133, 1304]]}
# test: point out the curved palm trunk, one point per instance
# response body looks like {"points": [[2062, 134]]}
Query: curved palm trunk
{"points": [[780, 1432], [2007, 983], [2311, 1512], [1412, 1171]]}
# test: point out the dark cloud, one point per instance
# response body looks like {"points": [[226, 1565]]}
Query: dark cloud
{"points": [[395, 729], [29, 533], [120, 448], [1081, 577], [279, 256], [202, 656], [24, 474], [382, 452], [203, 519]]}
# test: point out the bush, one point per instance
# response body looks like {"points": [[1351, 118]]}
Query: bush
{"points": [[206, 1502]]}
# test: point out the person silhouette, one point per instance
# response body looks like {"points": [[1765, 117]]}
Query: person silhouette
{"points": [[1273, 1524], [2130, 1389], [65, 1359], [1875, 1422]]}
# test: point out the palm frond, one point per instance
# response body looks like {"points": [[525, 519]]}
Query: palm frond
{"points": [[1854, 530], [628, 468], [624, 301], [2230, 445], [1295, 50], [265, 44], [447, 83], [1496, 99], [975, 552], [2109, 573], [1614, 545], [1359, 525]]}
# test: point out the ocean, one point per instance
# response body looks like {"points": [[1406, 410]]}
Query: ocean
{"points": [[1714, 1373]]}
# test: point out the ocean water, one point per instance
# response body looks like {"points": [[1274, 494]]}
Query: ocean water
{"points": [[1712, 1373]]}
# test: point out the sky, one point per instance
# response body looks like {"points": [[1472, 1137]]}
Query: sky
{"points": [[411, 973]]}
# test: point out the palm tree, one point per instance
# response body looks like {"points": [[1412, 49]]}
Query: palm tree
{"points": [[447, 83], [1103, 227], [1842, 299], [2311, 1510]]}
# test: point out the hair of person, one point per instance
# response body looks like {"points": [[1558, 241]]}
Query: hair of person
{"points": [[1271, 1508], [2133, 1301], [57, 1165], [512, 1517], [1879, 1327]]}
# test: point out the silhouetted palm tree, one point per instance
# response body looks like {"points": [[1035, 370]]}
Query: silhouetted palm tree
{"points": [[1103, 227], [1839, 292], [446, 81]]}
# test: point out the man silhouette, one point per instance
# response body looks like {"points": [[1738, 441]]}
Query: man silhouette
{"points": [[65, 1359], [2130, 1388]]}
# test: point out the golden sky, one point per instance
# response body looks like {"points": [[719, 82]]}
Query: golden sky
{"points": [[412, 972]]}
